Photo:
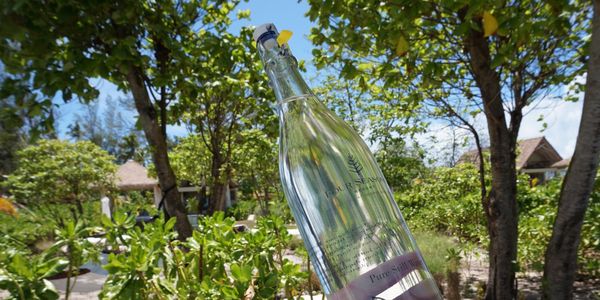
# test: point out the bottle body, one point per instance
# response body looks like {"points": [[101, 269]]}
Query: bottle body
{"points": [[355, 235]]}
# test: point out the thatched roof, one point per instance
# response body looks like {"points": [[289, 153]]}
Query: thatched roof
{"points": [[533, 153], [132, 176]]}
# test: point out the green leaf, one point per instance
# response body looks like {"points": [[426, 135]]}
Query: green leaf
{"points": [[242, 274]]}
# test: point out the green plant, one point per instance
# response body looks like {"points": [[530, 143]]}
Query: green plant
{"points": [[134, 273], [34, 228], [24, 277], [56, 171], [242, 209], [215, 263], [72, 244], [448, 201], [433, 247]]}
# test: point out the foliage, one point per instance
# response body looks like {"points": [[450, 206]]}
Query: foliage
{"points": [[346, 99], [400, 163], [164, 52], [55, 171], [232, 106], [25, 274], [24, 117], [136, 202], [448, 201], [35, 226], [191, 149], [447, 58], [538, 208], [24, 277], [72, 244], [219, 263], [433, 247], [109, 129], [449, 192], [242, 209], [434, 64], [255, 165]]}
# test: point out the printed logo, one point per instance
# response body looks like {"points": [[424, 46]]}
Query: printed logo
{"points": [[356, 168], [360, 182]]}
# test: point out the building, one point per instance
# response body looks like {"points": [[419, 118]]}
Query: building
{"points": [[535, 157], [132, 176]]}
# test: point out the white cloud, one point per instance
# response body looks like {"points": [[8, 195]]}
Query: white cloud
{"points": [[562, 119]]}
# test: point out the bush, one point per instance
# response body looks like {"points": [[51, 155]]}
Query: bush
{"points": [[242, 209], [37, 224], [218, 263], [55, 171], [448, 201]]}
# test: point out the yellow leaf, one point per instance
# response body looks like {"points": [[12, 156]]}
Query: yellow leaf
{"points": [[402, 46], [283, 37], [490, 24]]}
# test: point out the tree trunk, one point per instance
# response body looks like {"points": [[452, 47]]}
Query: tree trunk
{"points": [[202, 197], [217, 189], [561, 255], [266, 199], [158, 143], [501, 205]]}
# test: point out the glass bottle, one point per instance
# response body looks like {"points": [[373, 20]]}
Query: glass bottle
{"points": [[355, 235]]}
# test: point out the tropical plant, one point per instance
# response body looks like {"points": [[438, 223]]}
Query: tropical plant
{"points": [[24, 277], [453, 194], [55, 171], [215, 263], [72, 244], [155, 50]]}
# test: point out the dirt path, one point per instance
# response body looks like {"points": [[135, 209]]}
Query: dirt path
{"points": [[474, 276]]}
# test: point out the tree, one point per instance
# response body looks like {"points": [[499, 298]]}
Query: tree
{"points": [[24, 117], [400, 163], [561, 255], [255, 166], [232, 98], [346, 99], [109, 129], [150, 49], [55, 171], [495, 57]]}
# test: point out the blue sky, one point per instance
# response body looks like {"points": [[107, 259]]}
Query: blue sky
{"points": [[285, 14], [562, 117]]}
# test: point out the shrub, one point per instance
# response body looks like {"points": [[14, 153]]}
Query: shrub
{"points": [[217, 262], [448, 201], [55, 171], [37, 224], [242, 209]]}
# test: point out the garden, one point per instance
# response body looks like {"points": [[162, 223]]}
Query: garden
{"points": [[447, 96]]}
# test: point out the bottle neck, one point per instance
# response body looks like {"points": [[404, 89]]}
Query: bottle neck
{"points": [[282, 68]]}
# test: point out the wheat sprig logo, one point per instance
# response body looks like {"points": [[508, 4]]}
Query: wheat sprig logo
{"points": [[356, 167]]}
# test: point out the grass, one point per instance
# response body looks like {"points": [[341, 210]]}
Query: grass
{"points": [[434, 248]]}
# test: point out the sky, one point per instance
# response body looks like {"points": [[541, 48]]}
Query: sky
{"points": [[562, 117]]}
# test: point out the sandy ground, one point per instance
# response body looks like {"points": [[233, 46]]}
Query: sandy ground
{"points": [[474, 275]]}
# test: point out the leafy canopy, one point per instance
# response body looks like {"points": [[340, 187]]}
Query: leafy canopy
{"points": [[420, 47], [55, 171]]}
